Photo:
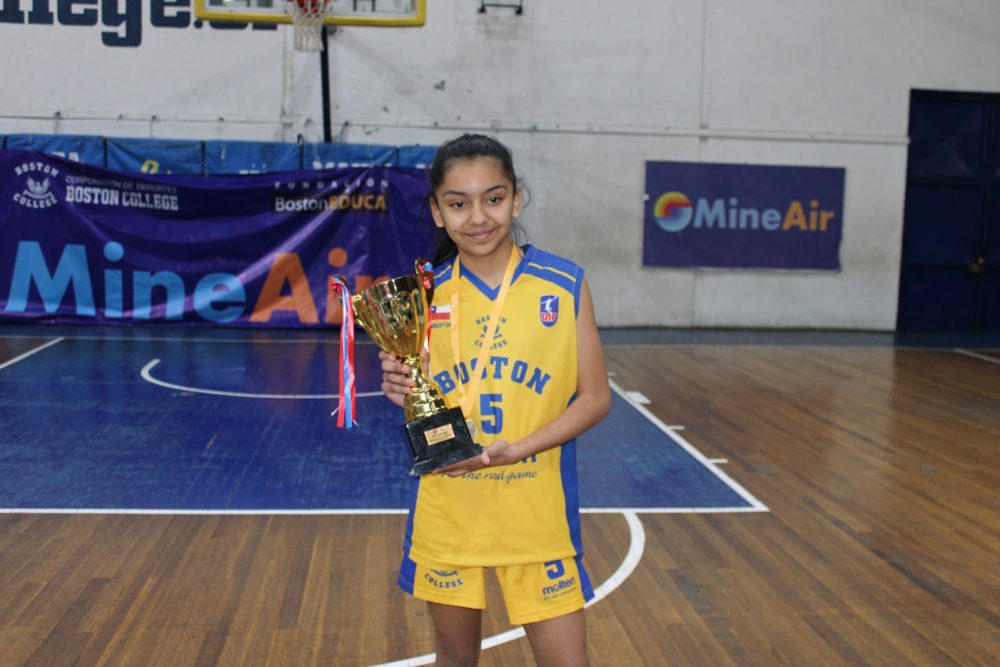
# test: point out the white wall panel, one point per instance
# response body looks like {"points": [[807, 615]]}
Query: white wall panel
{"points": [[584, 91]]}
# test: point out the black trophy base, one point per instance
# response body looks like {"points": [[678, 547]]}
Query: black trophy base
{"points": [[440, 440]]}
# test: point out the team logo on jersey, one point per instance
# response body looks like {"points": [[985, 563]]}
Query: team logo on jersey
{"points": [[36, 193], [548, 309], [498, 338]]}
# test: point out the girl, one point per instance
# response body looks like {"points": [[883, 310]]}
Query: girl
{"points": [[514, 342]]}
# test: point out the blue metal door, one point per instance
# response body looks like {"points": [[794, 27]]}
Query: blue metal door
{"points": [[950, 273]]}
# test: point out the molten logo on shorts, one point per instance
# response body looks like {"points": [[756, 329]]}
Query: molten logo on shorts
{"points": [[548, 310], [556, 571], [560, 587]]}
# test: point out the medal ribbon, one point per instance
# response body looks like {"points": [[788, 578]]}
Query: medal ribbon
{"points": [[347, 405], [475, 374]]}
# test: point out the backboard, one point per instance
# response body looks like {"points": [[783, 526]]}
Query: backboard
{"points": [[388, 13]]}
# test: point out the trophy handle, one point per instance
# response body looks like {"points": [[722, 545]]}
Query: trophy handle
{"points": [[425, 274]]}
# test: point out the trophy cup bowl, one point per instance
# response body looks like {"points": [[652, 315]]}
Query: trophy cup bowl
{"points": [[395, 314]]}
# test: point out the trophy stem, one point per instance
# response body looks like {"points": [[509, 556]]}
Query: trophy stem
{"points": [[425, 399]]}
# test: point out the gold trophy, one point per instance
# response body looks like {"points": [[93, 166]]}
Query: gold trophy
{"points": [[395, 314]]}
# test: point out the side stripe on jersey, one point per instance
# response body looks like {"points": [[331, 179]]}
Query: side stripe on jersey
{"points": [[550, 261], [408, 535], [407, 574], [571, 494], [556, 269], [586, 587]]}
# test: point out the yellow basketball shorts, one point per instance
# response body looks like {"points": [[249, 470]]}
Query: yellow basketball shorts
{"points": [[531, 593]]}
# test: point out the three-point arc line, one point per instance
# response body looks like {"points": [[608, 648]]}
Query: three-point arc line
{"points": [[637, 544], [637, 534], [147, 375]]}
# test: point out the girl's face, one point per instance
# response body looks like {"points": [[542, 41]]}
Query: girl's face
{"points": [[476, 204]]}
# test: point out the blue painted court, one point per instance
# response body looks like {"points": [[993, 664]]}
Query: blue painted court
{"points": [[209, 420]]}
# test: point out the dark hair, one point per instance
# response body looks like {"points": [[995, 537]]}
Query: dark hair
{"points": [[466, 147]]}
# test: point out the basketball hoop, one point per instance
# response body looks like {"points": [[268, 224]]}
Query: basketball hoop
{"points": [[307, 21]]}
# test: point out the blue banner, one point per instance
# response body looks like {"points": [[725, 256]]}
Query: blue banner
{"points": [[79, 148], [339, 156], [418, 157], [85, 244], [700, 215], [251, 157], [156, 156], [217, 158]]}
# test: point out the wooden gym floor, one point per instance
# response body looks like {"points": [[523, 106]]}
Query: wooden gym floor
{"points": [[880, 467]]}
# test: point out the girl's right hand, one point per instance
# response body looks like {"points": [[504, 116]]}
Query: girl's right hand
{"points": [[396, 382]]}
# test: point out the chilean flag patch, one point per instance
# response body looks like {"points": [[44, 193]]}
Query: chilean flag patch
{"points": [[440, 313], [548, 309]]}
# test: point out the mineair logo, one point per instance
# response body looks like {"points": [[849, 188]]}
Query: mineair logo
{"points": [[674, 212]]}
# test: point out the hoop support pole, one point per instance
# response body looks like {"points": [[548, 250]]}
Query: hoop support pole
{"points": [[324, 69]]}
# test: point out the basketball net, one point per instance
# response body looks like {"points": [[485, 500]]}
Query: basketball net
{"points": [[307, 21]]}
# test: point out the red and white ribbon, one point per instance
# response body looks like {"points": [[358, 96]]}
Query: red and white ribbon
{"points": [[347, 406]]}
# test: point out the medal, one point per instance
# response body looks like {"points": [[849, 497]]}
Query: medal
{"points": [[465, 399]]}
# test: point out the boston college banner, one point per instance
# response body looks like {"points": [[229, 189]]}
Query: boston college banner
{"points": [[88, 245], [742, 216]]}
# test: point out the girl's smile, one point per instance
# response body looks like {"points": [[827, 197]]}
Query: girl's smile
{"points": [[476, 205]]}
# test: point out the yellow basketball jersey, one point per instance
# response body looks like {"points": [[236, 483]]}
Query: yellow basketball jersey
{"points": [[527, 512]]}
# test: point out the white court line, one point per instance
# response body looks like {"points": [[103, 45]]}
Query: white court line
{"points": [[636, 531], [637, 544], [638, 397], [11, 362], [675, 510], [148, 377], [976, 355], [672, 433]]}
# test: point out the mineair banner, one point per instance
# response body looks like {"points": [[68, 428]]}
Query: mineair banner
{"points": [[733, 216], [89, 245]]}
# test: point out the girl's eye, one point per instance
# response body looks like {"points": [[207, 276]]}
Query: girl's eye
{"points": [[457, 204], [495, 199]]}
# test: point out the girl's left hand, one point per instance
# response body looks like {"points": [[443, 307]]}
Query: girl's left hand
{"points": [[499, 453]]}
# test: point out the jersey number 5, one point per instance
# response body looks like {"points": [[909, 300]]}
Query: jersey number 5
{"points": [[490, 413]]}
